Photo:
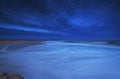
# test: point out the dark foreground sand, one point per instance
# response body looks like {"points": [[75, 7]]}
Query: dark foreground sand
{"points": [[4, 75]]}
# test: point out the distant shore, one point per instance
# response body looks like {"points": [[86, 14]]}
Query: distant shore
{"points": [[12, 46], [17, 42], [117, 42]]}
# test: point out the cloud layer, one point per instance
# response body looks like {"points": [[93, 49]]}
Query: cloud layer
{"points": [[68, 19]]}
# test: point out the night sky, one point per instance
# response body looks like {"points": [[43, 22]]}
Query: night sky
{"points": [[59, 19]]}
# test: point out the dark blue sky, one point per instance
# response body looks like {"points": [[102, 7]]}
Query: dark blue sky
{"points": [[60, 19]]}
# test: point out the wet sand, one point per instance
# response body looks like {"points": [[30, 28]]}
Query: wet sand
{"points": [[60, 60]]}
